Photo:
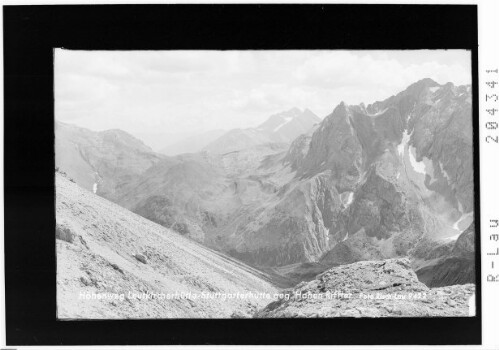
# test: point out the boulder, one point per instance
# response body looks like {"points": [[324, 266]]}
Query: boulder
{"points": [[64, 233], [140, 258]]}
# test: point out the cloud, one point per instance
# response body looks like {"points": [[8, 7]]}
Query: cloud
{"points": [[194, 91], [348, 69]]}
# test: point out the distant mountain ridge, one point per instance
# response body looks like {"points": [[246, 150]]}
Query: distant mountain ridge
{"points": [[192, 144], [101, 161], [281, 128]]}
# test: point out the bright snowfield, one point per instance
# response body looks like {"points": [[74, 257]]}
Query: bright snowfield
{"points": [[101, 261]]}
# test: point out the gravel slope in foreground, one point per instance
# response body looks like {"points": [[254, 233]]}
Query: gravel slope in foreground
{"points": [[105, 250]]}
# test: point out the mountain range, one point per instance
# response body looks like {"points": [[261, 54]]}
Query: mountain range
{"points": [[296, 196], [192, 144], [279, 128], [101, 161]]}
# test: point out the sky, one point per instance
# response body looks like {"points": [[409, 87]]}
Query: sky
{"points": [[163, 96]]}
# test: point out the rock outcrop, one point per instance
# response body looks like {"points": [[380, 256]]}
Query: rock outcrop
{"points": [[388, 288]]}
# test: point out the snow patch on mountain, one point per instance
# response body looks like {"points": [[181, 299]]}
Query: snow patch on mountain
{"points": [[349, 199], [379, 112], [446, 175], [405, 140], [285, 121], [419, 167], [345, 238], [346, 198], [463, 221]]}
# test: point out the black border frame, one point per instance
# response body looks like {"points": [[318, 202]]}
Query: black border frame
{"points": [[31, 33]]}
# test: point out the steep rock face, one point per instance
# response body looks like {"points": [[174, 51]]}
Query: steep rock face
{"points": [[335, 147], [103, 249], [370, 289], [297, 152], [450, 262], [101, 161], [444, 135], [399, 199], [295, 228], [383, 221], [379, 207]]}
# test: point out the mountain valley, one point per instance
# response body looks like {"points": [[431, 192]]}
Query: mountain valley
{"points": [[297, 196]]}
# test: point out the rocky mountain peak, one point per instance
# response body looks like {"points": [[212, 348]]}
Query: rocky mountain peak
{"points": [[339, 115], [333, 144], [420, 86], [308, 111], [396, 168], [282, 127], [277, 121]]}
